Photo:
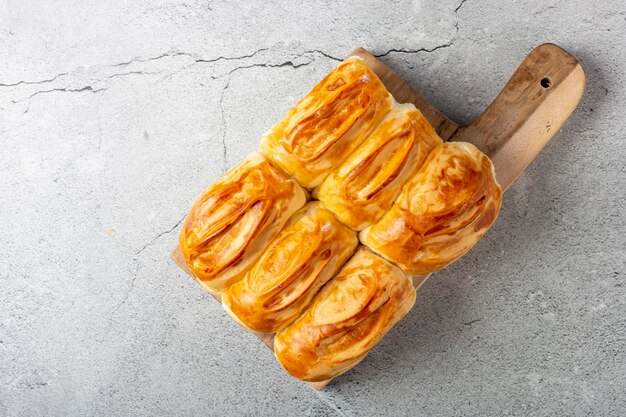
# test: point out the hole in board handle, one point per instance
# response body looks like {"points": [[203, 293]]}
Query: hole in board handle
{"points": [[546, 82]]}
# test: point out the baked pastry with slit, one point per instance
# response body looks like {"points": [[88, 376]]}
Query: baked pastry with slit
{"points": [[442, 211], [346, 319], [325, 126], [234, 220], [308, 252], [362, 188]]}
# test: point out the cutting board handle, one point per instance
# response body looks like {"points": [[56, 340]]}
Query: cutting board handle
{"points": [[532, 107]]}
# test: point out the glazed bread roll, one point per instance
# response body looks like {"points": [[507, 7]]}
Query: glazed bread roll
{"points": [[347, 318], [308, 252], [442, 211], [364, 186], [328, 123], [232, 222]]}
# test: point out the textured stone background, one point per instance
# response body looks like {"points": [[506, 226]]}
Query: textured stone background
{"points": [[115, 115]]}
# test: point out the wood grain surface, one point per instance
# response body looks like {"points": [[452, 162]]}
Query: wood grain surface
{"points": [[532, 107]]}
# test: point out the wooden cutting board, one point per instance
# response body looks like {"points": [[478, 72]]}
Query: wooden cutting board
{"points": [[532, 107]]}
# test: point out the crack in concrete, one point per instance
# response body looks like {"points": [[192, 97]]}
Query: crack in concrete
{"points": [[34, 82], [120, 64], [127, 294], [469, 323], [166, 55], [72, 90], [134, 279], [154, 58], [226, 58], [153, 241], [196, 61], [327, 55], [459, 6], [414, 51], [64, 90], [288, 63], [132, 282], [126, 63], [427, 50], [122, 74], [458, 20]]}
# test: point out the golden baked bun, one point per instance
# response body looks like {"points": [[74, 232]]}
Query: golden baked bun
{"points": [[308, 252], [364, 186], [442, 211], [232, 222], [346, 319], [328, 123]]}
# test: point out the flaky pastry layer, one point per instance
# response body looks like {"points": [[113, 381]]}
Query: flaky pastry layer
{"points": [[325, 126], [442, 211], [232, 222], [308, 252], [347, 318], [361, 189]]}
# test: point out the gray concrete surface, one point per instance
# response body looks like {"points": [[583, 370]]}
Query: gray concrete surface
{"points": [[115, 115]]}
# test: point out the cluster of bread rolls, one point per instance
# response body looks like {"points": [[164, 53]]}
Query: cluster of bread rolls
{"points": [[331, 276]]}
